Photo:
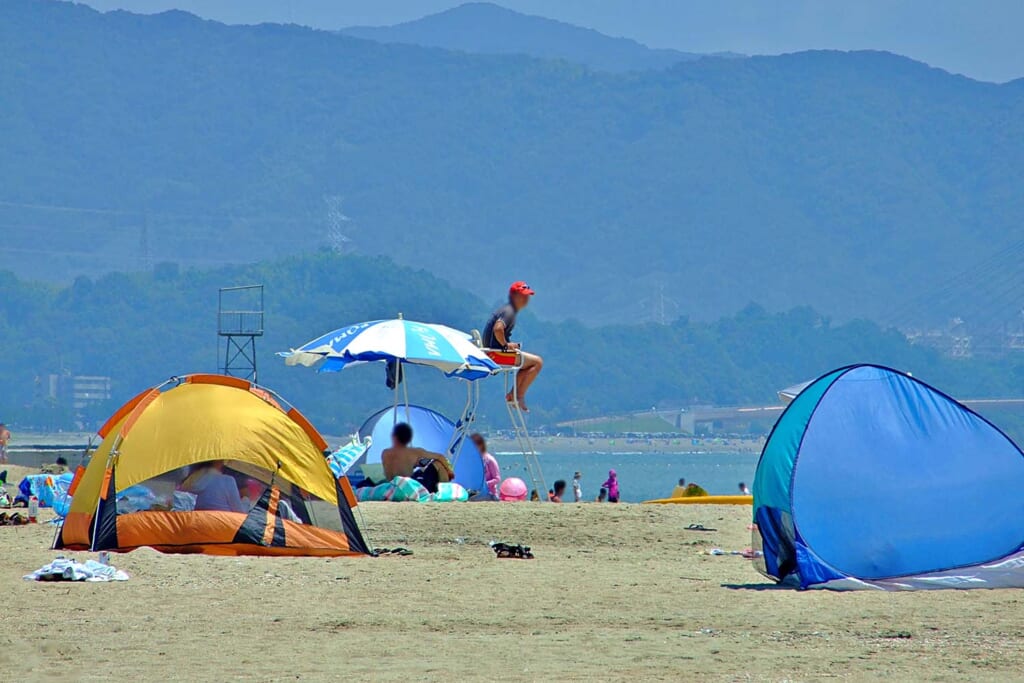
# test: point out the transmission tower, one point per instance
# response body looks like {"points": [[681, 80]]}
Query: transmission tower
{"points": [[659, 306], [337, 240]]}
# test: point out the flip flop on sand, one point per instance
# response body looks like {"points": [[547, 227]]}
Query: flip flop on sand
{"points": [[699, 527], [505, 550]]}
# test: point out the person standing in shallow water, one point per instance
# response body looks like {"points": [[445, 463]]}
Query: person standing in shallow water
{"points": [[498, 335], [613, 487]]}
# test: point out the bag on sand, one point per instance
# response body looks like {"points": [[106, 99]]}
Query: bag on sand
{"points": [[426, 474]]}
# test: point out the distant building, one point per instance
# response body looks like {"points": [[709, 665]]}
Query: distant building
{"points": [[79, 391]]}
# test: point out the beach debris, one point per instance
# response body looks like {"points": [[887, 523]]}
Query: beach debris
{"points": [[747, 553], [699, 527], [505, 550], [896, 634], [402, 552], [63, 569]]}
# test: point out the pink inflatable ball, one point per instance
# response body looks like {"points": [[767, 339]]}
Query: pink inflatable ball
{"points": [[513, 490]]}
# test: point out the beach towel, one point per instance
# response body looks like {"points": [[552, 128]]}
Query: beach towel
{"points": [[61, 499], [399, 489], [39, 485], [404, 489], [63, 569], [449, 492], [341, 460], [135, 499]]}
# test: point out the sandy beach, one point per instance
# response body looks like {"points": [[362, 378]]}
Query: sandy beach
{"points": [[616, 592]]}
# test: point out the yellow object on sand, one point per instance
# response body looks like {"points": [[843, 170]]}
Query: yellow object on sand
{"points": [[704, 500]]}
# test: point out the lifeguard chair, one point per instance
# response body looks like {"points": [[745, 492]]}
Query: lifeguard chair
{"points": [[509, 363]]}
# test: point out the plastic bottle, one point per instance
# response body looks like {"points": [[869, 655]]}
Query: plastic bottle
{"points": [[33, 509]]}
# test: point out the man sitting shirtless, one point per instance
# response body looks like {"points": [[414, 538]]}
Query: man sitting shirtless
{"points": [[401, 459], [497, 335]]}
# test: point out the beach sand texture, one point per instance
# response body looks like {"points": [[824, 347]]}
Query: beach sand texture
{"points": [[616, 592]]}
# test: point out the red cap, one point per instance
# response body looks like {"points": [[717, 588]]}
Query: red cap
{"points": [[520, 287]]}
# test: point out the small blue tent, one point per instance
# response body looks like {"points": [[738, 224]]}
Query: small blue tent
{"points": [[430, 430], [872, 479]]}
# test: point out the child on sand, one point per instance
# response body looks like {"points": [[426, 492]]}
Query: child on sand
{"points": [[613, 487], [601, 496], [577, 487]]}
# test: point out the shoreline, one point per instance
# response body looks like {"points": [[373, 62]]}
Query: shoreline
{"points": [[630, 446]]}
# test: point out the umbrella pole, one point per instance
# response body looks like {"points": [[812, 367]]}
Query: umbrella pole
{"points": [[394, 406], [405, 390]]}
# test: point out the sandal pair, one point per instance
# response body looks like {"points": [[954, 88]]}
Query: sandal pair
{"points": [[518, 552], [12, 520]]}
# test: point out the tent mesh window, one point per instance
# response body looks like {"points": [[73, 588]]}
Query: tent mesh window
{"points": [[207, 486]]}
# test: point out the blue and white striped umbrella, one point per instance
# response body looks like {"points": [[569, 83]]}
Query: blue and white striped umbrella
{"points": [[407, 341]]}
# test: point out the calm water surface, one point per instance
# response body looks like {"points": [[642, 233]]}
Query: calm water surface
{"points": [[642, 476]]}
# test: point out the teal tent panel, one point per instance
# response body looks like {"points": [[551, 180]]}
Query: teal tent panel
{"points": [[775, 469]]}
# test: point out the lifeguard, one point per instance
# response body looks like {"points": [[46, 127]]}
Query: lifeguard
{"points": [[497, 335]]}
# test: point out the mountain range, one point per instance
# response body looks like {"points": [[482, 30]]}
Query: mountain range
{"points": [[849, 181], [486, 28]]}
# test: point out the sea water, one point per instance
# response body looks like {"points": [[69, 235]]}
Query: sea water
{"points": [[642, 476]]}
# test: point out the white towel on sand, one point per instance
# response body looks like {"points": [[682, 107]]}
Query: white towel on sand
{"points": [[63, 569]]}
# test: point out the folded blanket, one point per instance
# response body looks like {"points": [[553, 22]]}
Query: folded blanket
{"points": [[63, 569], [450, 492], [403, 489]]}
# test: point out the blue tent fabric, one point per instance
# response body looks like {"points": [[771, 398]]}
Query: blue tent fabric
{"points": [[872, 478], [432, 431]]}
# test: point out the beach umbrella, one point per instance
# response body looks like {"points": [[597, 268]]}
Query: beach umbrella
{"points": [[789, 393], [402, 341]]}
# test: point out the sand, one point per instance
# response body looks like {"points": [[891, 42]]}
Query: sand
{"points": [[617, 592]]}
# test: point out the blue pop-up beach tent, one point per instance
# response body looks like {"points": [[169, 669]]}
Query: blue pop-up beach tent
{"points": [[873, 479], [430, 430]]}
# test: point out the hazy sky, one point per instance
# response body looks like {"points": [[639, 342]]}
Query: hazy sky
{"points": [[983, 39]]}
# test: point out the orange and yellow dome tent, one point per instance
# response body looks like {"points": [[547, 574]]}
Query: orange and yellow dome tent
{"points": [[138, 488]]}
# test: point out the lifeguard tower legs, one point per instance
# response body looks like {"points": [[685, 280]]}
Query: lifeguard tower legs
{"points": [[518, 418]]}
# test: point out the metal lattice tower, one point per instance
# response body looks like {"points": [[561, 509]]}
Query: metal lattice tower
{"points": [[337, 239], [239, 322]]}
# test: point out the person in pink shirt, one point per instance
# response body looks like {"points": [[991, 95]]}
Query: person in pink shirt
{"points": [[613, 487], [492, 473]]}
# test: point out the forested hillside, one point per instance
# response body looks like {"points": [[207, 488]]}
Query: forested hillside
{"points": [[140, 329], [845, 181]]}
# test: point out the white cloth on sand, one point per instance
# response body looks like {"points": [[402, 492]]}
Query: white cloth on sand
{"points": [[63, 569]]}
